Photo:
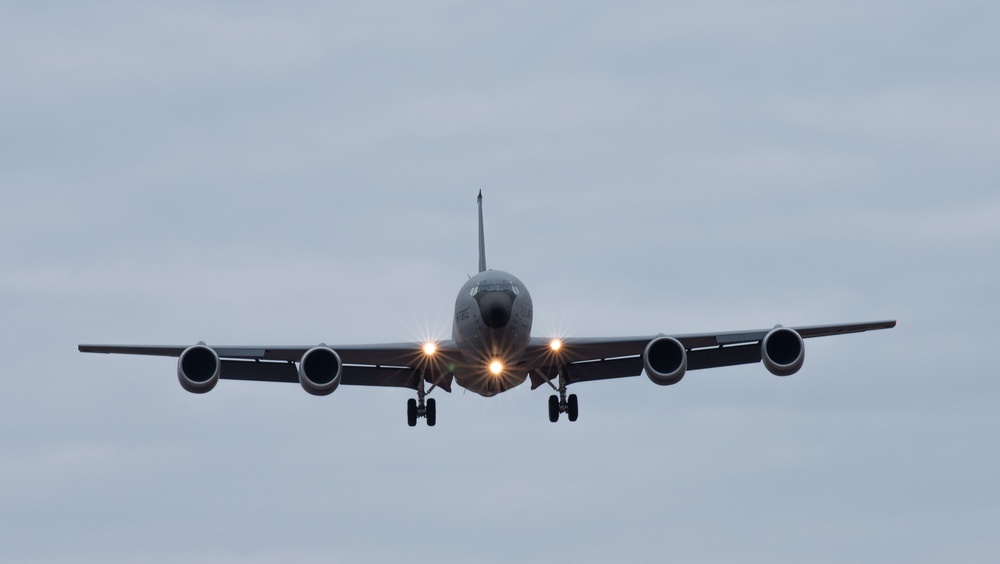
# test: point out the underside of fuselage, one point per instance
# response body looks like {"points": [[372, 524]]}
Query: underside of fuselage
{"points": [[492, 327]]}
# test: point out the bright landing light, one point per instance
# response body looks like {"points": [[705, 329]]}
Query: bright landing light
{"points": [[429, 348], [555, 344], [496, 367]]}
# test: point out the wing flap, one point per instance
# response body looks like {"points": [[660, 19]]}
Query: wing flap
{"points": [[256, 371], [540, 354], [699, 359], [269, 371], [387, 377], [604, 369]]}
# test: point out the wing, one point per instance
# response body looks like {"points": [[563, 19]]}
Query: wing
{"points": [[619, 357], [393, 364]]}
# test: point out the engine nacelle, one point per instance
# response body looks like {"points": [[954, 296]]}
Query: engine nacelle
{"points": [[782, 351], [319, 371], [665, 361], [198, 369]]}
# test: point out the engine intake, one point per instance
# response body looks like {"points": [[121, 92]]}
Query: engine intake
{"points": [[665, 361], [782, 351], [198, 369], [319, 371]]}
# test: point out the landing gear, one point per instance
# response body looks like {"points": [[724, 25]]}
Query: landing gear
{"points": [[416, 408], [431, 412], [411, 412], [571, 407], [563, 404]]}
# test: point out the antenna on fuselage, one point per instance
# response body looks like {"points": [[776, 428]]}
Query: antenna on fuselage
{"points": [[482, 236]]}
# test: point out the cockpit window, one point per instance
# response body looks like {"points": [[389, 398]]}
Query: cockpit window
{"points": [[503, 287]]}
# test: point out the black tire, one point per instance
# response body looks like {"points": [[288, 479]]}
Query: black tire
{"points": [[431, 413], [553, 408], [411, 412], [574, 407]]}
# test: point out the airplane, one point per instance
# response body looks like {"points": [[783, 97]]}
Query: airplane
{"points": [[490, 352]]}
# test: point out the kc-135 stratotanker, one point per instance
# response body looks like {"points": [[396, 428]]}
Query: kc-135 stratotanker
{"points": [[491, 351]]}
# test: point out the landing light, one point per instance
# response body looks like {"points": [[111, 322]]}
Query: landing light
{"points": [[555, 345], [430, 348], [496, 367]]}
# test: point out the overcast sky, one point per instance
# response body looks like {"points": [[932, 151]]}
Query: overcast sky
{"points": [[252, 174]]}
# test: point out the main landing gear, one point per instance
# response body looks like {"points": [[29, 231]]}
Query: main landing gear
{"points": [[562, 403], [415, 410], [420, 407], [569, 406]]}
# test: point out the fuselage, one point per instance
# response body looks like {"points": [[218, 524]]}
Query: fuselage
{"points": [[493, 314]]}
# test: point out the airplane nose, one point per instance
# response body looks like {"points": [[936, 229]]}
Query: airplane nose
{"points": [[495, 309]]}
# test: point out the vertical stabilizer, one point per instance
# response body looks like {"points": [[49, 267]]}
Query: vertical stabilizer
{"points": [[482, 237]]}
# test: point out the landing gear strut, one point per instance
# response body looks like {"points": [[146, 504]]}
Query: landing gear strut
{"points": [[563, 404], [420, 407]]}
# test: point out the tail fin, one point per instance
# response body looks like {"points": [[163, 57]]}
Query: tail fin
{"points": [[482, 237]]}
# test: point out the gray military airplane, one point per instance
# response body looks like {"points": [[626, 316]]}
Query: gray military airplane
{"points": [[491, 351]]}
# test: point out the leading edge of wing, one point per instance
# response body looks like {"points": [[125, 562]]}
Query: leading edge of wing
{"points": [[702, 340], [588, 349], [290, 353], [144, 350], [387, 354]]}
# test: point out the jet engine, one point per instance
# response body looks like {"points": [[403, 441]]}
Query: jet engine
{"points": [[198, 369], [782, 351], [319, 371], [665, 361]]}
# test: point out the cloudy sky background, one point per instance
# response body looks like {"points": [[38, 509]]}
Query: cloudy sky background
{"points": [[245, 173]]}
